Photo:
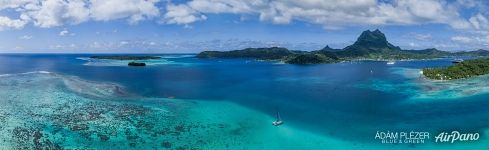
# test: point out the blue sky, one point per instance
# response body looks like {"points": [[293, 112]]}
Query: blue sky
{"points": [[163, 26]]}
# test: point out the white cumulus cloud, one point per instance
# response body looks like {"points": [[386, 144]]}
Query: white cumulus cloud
{"points": [[479, 21], [65, 32], [134, 10], [52, 13], [7, 23], [329, 13], [182, 14]]}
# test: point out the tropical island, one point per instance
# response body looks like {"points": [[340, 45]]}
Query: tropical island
{"points": [[136, 64], [125, 57], [370, 45], [272, 53], [465, 69]]}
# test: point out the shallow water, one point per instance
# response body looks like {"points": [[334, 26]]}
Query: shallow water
{"points": [[59, 101], [48, 110]]}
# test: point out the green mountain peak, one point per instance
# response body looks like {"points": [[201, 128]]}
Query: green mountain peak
{"points": [[369, 42], [373, 39]]}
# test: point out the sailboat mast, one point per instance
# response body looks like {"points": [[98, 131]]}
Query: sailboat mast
{"points": [[278, 116]]}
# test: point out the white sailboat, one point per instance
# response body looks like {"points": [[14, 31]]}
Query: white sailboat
{"points": [[278, 121], [456, 61]]}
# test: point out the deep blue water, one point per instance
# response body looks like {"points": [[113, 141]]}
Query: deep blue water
{"points": [[320, 98]]}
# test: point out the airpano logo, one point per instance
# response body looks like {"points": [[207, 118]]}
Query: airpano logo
{"points": [[417, 137], [455, 136], [411, 137]]}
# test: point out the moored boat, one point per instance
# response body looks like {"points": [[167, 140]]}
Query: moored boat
{"points": [[278, 121], [456, 61]]}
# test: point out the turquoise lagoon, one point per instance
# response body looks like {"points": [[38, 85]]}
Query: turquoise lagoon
{"points": [[181, 102]]}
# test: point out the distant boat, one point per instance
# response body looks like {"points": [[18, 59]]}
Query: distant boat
{"points": [[278, 121], [391, 62], [456, 61]]}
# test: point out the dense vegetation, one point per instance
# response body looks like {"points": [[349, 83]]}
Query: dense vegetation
{"points": [[374, 45], [329, 49], [275, 53], [258, 53], [311, 58], [136, 64], [371, 45], [126, 57], [369, 42], [430, 51], [479, 52], [465, 69]]}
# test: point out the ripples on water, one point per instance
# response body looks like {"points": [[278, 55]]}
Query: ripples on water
{"points": [[228, 104]]}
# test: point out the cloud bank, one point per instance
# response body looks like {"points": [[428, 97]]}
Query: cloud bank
{"points": [[53, 13], [330, 14]]}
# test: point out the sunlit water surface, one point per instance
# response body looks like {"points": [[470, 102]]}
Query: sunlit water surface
{"points": [[181, 102]]}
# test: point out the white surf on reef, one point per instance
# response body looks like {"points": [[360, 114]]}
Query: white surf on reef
{"points": [[50, 110], [420, 88], [166, 60]]}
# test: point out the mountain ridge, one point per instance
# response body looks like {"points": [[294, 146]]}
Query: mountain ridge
{"points": [[369, 45]]}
